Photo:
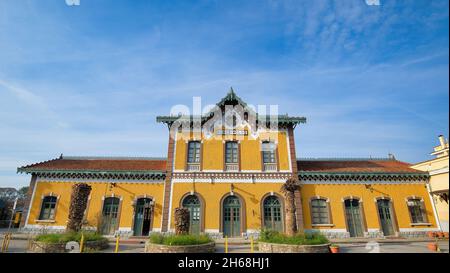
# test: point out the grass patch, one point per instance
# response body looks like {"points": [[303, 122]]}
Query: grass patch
{"points": [[179, 240], [270, 236], [68, 237]]}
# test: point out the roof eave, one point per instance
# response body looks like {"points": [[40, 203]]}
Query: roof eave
{"points": [[67, 171]]}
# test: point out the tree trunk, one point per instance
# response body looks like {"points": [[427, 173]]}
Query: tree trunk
{"points": [[182, 221], [291, 223], [78, 204]]}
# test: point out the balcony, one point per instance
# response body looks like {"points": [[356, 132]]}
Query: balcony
{"points": [[193, 167], [270, 167], [231, 167]]}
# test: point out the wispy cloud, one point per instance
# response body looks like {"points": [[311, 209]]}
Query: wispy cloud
{"points": [[24, 95]]}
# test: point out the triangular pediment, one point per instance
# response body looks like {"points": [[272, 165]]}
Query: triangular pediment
{"points": [[231, 99], [238, 107]]}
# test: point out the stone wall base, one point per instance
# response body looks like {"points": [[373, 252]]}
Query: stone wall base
{"points": [[156, 248], [284, 248], [40, 247]]}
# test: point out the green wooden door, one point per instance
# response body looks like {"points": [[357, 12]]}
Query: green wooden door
{"points": [[353, 217], [385, 213], [272, 214], [232, 217], [192, 203], [110, 215], [142, 217]]}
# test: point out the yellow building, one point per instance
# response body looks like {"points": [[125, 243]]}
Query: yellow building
{"points": [[438, 186], [227, 166]]}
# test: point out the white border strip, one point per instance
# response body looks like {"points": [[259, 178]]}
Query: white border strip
{"points": [[31, 201]]}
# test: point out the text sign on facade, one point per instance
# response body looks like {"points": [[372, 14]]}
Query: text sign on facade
{"points": [[232, 132]]}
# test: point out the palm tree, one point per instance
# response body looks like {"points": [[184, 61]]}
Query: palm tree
{"points": [[78, 204], [182, 221], [289, 188]]}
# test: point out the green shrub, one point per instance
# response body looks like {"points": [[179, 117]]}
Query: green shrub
{"points": [[68, 237], [179, 240], [270, 236]]}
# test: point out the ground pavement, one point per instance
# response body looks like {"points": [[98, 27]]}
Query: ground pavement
{"points": [[20, 243]]}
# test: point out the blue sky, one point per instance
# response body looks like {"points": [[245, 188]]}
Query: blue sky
{"points": [[90, 79]]}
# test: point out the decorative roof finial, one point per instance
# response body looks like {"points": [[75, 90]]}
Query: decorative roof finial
{"points": [[61, 156], [231, 93]]}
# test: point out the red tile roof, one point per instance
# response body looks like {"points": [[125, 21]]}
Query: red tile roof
{"points": [[100, 164], [159, 165], [355, 166]]}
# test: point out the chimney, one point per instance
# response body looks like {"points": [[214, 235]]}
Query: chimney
{"points": [[442, 141]]}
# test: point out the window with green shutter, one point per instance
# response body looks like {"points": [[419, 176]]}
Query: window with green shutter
{"points": [[416, 210], [48, 208], [319, 212], [194, 152], [268, 152], [231, 152]]}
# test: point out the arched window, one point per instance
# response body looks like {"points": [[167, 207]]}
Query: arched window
{"points": [[354, 217], [192, 202], [110, 215], [417, 210], [143, 212], [273, 217], [231, 216], [320, 212], [48, 208]]}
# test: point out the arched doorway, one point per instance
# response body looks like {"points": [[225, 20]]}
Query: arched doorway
{"points": [[231, 216], [353, 217], [192, 202], [142, 217], [386, 216], [110, 215], [272, 210]]}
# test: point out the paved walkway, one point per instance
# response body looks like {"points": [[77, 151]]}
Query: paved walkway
{"points": [[409, 247], [19, 243]]}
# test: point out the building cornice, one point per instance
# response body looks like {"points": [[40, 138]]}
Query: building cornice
{"points": [[95, 174], [361, 176]]}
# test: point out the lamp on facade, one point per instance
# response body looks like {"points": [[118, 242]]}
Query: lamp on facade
{"points": [[232, 189], [112, 185]]}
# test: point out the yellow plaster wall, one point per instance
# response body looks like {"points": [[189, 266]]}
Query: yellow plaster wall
{"points": [[397, 192], [212, 157], [253, 194], [213, 193], [213, 151], [129, 191]]}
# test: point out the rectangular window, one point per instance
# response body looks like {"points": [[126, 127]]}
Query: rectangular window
{"points": [[231, 152], [319, 212], [48, 208], [194, 152], [268, 152], [416, 211]]}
